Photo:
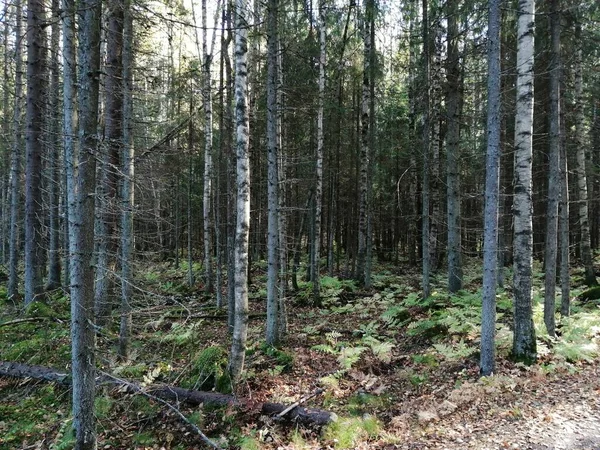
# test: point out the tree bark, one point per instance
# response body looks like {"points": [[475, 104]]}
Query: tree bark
{"points": [[240, 331], [524, 344], [113, 141], [15, 160], [490, 245], [554, 178], [272, 335], [580, 168], [315, 275], [54, 267], [81, 228], [453, 139], [34, 144], [365, 150], [297, 414], [127, 183], [425, 191], [208, 164]]}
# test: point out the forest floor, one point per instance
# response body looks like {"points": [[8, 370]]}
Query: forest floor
{"points": [[400, 372]]}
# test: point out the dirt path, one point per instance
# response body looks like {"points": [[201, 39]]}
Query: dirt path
{"points": [[533, 413]]}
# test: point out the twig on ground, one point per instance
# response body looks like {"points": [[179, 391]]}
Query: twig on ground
{"points": [[299, 402], [169, 405]]}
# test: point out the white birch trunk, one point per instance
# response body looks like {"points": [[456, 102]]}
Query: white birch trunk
{"points": [[524, 344], [208, 164], [316, 251], [240, 329], [365, 150]]}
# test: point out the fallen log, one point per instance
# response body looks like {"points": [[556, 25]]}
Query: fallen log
{"points": [[298, 414]]}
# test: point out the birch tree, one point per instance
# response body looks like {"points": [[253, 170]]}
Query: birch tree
{"points": [[240, 329], [365, 150], [208, 163], [490, 245], [524, 344], [81, 227], [316, 251]]}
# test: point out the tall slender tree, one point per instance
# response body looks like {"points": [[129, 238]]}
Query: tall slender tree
{"points": [[365, 141], [34, 146], [490, 245], [81, 227], [524, 343], [127, 191], [453, 147], [110, 159], [15, 159], [240, 330], [580, 167], [425, 192], [316, 250], [53, 140], [208, 160], [554, 178], [272, 177]]}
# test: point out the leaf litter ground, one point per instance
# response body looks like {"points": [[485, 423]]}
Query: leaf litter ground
{"points": [[382, 372]]}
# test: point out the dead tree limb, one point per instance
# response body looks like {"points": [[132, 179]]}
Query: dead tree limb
{"points": [[172, 393]]}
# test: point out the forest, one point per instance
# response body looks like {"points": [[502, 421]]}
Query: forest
{"points": [[299, 224]]}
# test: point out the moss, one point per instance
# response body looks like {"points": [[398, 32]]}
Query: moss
{"points": [[347, 433], [592, 293], [209, 371]]}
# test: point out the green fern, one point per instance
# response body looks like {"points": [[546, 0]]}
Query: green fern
{"points": [[396, 316], [382, 350], [455, 352], [349, 356]]}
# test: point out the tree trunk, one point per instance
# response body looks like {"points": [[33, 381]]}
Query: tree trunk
{"points": [[580, 168], [524, 344], [554, 179], [293, 413], [425, 193], [15, 161], [490, 260], [81, 226], [315, 275], [453, 147], [113, 136], [34, 144], [54, 269], [365, 150], [436, 100], [208, 164], [127, 184], [272, 178], [240, 331]]}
